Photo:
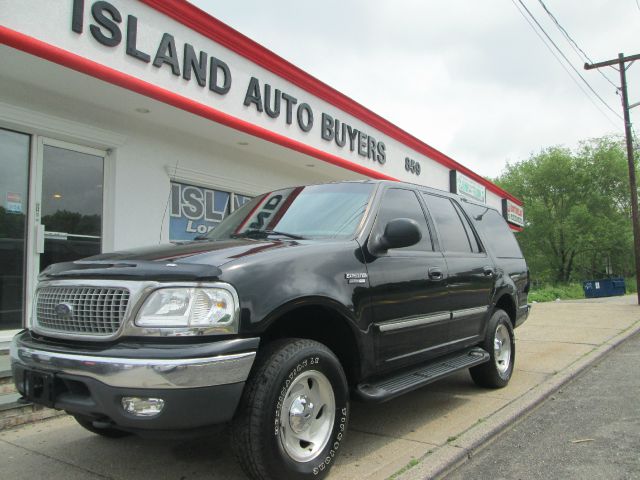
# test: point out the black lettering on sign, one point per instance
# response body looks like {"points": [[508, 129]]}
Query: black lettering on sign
{"points": [[362, 144], [98, 11], [353, 134], [326, 129], [77, 16], [290, 102], [341, 130], [371, 147], [167, 54], [253, 94], [305, 125], [275, 112], [410, 165], [382, 154], [132, 40], [216, 66], [191, 63]]}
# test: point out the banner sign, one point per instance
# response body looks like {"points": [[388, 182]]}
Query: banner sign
{"points": [[463, 185], [513, 213], [195, 211]]}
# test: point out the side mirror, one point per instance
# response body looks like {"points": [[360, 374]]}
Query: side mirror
{"points": [[399, 233]]}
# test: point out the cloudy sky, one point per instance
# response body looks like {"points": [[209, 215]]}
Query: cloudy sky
{"points": [[470, 78]]}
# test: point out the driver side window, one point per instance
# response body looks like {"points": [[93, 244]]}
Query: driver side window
{"points": [[401, 203]]}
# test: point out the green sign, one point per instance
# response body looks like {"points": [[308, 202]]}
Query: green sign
{"points": [[467, 187]]}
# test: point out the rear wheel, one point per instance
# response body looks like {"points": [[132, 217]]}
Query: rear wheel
{"points": [[293, 415], [500, 343], [104, 432]]}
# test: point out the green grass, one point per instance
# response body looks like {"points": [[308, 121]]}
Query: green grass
{"points": [[550, 293]]}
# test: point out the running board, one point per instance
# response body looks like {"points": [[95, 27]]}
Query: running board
{"points": [[390, 387]]}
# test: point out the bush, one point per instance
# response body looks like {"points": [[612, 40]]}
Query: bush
{"points": [[549, 293]]}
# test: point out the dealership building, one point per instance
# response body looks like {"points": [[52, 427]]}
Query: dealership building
{"points": [[134, 122]]}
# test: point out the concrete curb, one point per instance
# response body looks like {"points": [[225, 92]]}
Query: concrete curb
{"points": [[449, 456]]}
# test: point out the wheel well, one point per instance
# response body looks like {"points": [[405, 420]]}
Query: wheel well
{"points": [[507, 304], [322, 325]]}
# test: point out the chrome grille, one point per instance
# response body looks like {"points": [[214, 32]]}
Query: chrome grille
{"points": [[81, 310]]}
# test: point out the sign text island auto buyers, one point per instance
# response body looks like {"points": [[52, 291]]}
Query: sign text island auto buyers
{"points": [[107, 28]]}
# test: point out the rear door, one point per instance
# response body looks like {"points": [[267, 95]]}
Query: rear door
{"points": [[471, 270], [408, 288]]}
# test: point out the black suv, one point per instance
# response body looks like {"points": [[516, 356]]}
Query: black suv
{"points": [[297, 302]]}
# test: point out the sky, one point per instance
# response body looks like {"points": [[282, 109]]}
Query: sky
{"points": [[470, 78]]}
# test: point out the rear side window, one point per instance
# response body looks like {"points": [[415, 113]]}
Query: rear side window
{"points": [[495, 231], [454, 236], [400, 203]]}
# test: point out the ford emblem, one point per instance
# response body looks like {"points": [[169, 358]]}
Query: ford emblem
{"points": [[63, 310]]}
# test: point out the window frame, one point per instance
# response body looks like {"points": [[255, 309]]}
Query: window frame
{"points": [[457, 208], [406, 251]]}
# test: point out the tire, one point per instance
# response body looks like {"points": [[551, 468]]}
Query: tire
{"points": [[104, 432], [500, 343], [293, 414]]}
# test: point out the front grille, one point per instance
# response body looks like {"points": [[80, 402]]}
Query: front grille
{"points": [[81, 310]]}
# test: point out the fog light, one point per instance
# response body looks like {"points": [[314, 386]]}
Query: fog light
{"points": [[142, 406]]}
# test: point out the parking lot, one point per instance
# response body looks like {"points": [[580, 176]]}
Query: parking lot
{"points": [[415, 436]]}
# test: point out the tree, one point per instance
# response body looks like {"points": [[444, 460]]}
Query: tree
{"points": [[577, 210]]}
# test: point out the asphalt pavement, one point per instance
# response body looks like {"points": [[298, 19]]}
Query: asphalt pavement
{"points": [[590, 429]]}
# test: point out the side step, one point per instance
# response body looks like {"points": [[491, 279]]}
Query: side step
{"points": [[390, 387]]}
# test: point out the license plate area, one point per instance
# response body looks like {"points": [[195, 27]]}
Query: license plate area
{"points": [[39, 387]]}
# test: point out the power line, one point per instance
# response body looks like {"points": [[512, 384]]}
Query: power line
{"points": [[568, 61], [573, 43], [562, 64]]}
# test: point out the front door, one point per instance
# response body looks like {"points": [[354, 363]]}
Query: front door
{"points": [[71, 203], [408, 289], [14, 182]]}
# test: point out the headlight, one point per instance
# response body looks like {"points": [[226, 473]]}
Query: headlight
{"points": [[192, 308]]}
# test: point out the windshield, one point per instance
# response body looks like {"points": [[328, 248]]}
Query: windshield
{"points": [[317, 211]]}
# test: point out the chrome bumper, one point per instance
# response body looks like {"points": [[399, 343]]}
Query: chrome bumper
{"points": [[140, 373]]}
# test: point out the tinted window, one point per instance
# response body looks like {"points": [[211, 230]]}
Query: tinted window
{"points": [[473, 239], [317, 211], [453, 235], [495, 231], [399, 203]]}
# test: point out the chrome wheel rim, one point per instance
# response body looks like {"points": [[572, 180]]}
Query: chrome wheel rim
{"points": [[502, 348], [307, 416]]}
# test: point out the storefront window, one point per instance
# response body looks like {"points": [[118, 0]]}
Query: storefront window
{"points": [[14, 175], [195, 211]]}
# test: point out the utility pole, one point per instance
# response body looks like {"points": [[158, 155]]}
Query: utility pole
{"points": [[621, 61]]}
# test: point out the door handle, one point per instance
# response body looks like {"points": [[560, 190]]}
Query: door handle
{"points": [[435, 273], [40, 238], [489, 271]]}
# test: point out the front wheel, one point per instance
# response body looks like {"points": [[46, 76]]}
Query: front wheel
{"points": [[501, 345], [294, 412]]}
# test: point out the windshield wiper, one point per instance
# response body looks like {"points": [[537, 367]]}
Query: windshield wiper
{"points": [[255, 232]]}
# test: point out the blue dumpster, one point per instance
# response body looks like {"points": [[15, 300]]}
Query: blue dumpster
{"points": [[606, 287]]}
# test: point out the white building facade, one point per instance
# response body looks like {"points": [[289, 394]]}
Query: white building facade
{"points": [[132, 122]]}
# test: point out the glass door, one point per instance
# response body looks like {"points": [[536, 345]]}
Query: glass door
{"points": [[71, 203], [14, 183]]}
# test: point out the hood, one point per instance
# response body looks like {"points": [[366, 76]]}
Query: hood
{"points": [[195, 261]]}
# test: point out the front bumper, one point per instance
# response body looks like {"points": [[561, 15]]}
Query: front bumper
{"points": [[201, 384]]}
